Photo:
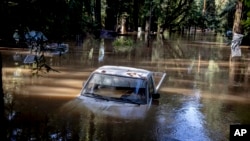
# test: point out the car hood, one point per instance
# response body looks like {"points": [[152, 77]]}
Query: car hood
{"points": [[108, 108]]}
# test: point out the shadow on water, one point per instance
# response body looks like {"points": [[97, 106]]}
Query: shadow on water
{"points": [[198, 99]]}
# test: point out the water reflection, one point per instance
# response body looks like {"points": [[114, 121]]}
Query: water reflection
{"points": [[190, 118], [196, 98], [182, 119], [101, 51], [210, 74]]}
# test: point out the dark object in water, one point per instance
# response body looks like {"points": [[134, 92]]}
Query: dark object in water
{"points": [[29, 59], [108, 34]]}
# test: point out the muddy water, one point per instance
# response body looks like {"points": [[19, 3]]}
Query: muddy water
{"points": [[199, 100]]}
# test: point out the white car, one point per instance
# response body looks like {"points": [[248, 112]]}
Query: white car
{"points": [[119, 91]]}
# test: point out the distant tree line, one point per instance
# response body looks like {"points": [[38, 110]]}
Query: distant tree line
{"points": [[60, 19]]}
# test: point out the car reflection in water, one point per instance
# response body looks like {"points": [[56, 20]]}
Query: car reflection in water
{"points": [[117, 91]]}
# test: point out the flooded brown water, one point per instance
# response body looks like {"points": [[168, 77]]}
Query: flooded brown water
{"points": [[199, 100]]}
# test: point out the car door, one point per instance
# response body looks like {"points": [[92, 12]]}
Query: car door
{"points": [[151, 89]]}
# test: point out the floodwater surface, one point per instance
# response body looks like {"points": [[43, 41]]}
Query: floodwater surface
{"points": [[199, 97]]}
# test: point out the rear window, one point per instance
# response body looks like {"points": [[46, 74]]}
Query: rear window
{"points": [[117, 81]]}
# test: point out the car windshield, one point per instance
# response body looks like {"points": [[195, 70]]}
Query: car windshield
{"points": [[123, 89]]}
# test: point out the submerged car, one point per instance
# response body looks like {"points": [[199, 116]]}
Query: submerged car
{"points": [[120, 91]]}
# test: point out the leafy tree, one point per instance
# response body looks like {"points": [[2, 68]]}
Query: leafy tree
{"points": [[226, 15], [194, 17], [173, 12], [246, 21], [210, 13]]}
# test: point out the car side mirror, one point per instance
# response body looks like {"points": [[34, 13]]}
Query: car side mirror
{"points": [[156, 96]]}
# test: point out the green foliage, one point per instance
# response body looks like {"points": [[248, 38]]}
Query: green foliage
{"points": [[210, 14], [246, 21], [247, 3], [172, 13], [123, 44], [226, 15], [194, 16], [64, 18]]}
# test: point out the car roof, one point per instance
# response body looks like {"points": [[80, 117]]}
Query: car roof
{"points": [[123, 71]]}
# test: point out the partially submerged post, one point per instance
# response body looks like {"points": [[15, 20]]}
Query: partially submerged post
{"points": [[235, 57]]}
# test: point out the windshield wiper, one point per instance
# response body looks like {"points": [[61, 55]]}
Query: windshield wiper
{"points": [[96, 96], [130, 101], [124, 100]]}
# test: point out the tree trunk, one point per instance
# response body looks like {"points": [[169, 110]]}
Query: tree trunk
{"points": [[110, 20], [123, 26], [3, 17], [235, 75], [237, 28], [135, 15], [237, 31], [98, 13], [2, 117]]}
